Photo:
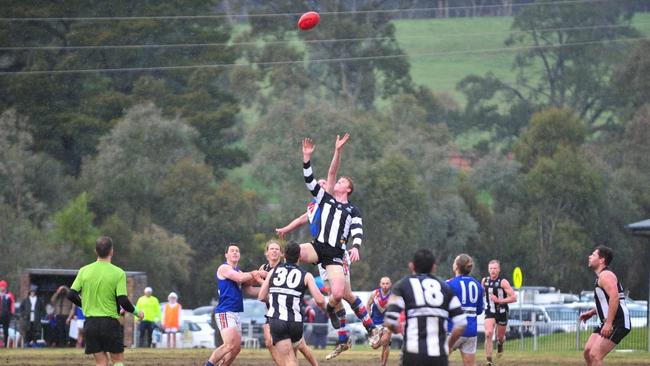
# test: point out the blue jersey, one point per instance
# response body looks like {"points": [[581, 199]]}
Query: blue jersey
{"points": [[378, 307], [470, 293], [313, 216], [230, 295], [79, 313]]}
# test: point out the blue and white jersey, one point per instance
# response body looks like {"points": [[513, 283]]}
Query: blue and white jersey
{"points": [[313, 217], [470, 293], [230, 295]]}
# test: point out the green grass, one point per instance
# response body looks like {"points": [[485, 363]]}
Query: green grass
{"points": [[445, 38]]}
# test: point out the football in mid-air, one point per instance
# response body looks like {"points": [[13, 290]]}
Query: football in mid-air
{"points": [[308, 20]]}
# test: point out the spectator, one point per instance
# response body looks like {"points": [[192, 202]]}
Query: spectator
{"points": [[171, 319], [319, 332], [49, 325], [62, 308], [7, 302], [151, 308], [76, 321], [32, 310]]}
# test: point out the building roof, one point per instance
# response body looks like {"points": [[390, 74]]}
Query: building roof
{"points": [[641, 228]]}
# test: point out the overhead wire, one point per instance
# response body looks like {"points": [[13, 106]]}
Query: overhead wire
{"points": [[326, 13], [324, 60], [308, 41]]}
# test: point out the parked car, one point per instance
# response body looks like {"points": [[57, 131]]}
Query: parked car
{"points": [[535, 320], [195, 332], [252, 320]]}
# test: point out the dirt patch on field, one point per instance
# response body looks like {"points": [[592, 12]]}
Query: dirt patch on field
{"points": [[197, 357]]}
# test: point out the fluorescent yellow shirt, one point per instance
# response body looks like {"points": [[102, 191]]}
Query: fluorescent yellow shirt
{"points": [[150, 306]]}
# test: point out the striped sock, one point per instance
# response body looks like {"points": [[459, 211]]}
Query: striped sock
{"points": [[362, 313], [343, 332]]}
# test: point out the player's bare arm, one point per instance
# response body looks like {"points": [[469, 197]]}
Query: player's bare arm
{"points": [[315, 291], [607, 280], [511, 296], [371, 298], [293, 225], [228, 272], [587, 315], [336, 159]]}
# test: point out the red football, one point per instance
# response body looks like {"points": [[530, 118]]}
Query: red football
{"points": [[308, 20]]}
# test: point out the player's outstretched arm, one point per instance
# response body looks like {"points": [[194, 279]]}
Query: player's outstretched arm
{"points": [[293, 225], [228, 272], [336, 159]]}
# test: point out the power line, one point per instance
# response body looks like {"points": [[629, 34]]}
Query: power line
{"points": [[311, 41], [254, 15], [325, 60]]}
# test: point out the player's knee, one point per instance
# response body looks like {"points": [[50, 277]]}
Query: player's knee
{"points": [[586, 354], [337, 294], [594, 355]]}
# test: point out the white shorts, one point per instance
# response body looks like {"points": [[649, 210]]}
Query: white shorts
{"points": [[171, 330], [228, 320], [466, 345]]}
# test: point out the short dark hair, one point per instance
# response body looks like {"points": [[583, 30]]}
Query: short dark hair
{"points": [[230, 245], [292, 252], [605, 252], [465, 263], [103, 246], [423, 261]]}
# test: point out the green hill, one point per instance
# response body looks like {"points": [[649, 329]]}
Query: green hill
{"points": [[443, 51]]}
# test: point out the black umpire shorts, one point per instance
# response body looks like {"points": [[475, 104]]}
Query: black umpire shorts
{"points": [[281, 330], [618, 332], [328, 254], [413, 359], [103, 334]]}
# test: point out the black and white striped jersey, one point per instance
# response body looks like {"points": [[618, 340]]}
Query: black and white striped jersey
{"points": [[286, 289], [339, 222], [622, 317], [428, 302], [493, 287]]}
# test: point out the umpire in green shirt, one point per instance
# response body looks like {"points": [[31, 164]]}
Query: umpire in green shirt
{"points": [[150, 305], [100, 290]]}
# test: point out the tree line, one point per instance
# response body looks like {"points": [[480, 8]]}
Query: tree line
{"points": [[174, 163]]}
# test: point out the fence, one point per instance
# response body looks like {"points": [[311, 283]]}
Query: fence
{"points": [[565, 336]]}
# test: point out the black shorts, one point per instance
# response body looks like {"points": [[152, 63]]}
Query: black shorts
{"points": [[409, 359], [281, 330], [618, 332], [103, 334], [500, 318], [328, 254]]}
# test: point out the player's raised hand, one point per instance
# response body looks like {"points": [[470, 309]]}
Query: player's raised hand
{"points": [[340, 141], [307, 148], [281, 232]]}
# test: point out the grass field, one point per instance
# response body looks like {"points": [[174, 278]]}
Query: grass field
{"points": [[360, 356], [457, 43]]}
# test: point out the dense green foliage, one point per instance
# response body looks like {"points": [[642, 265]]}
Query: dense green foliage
{"points": [[175, 159]]}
